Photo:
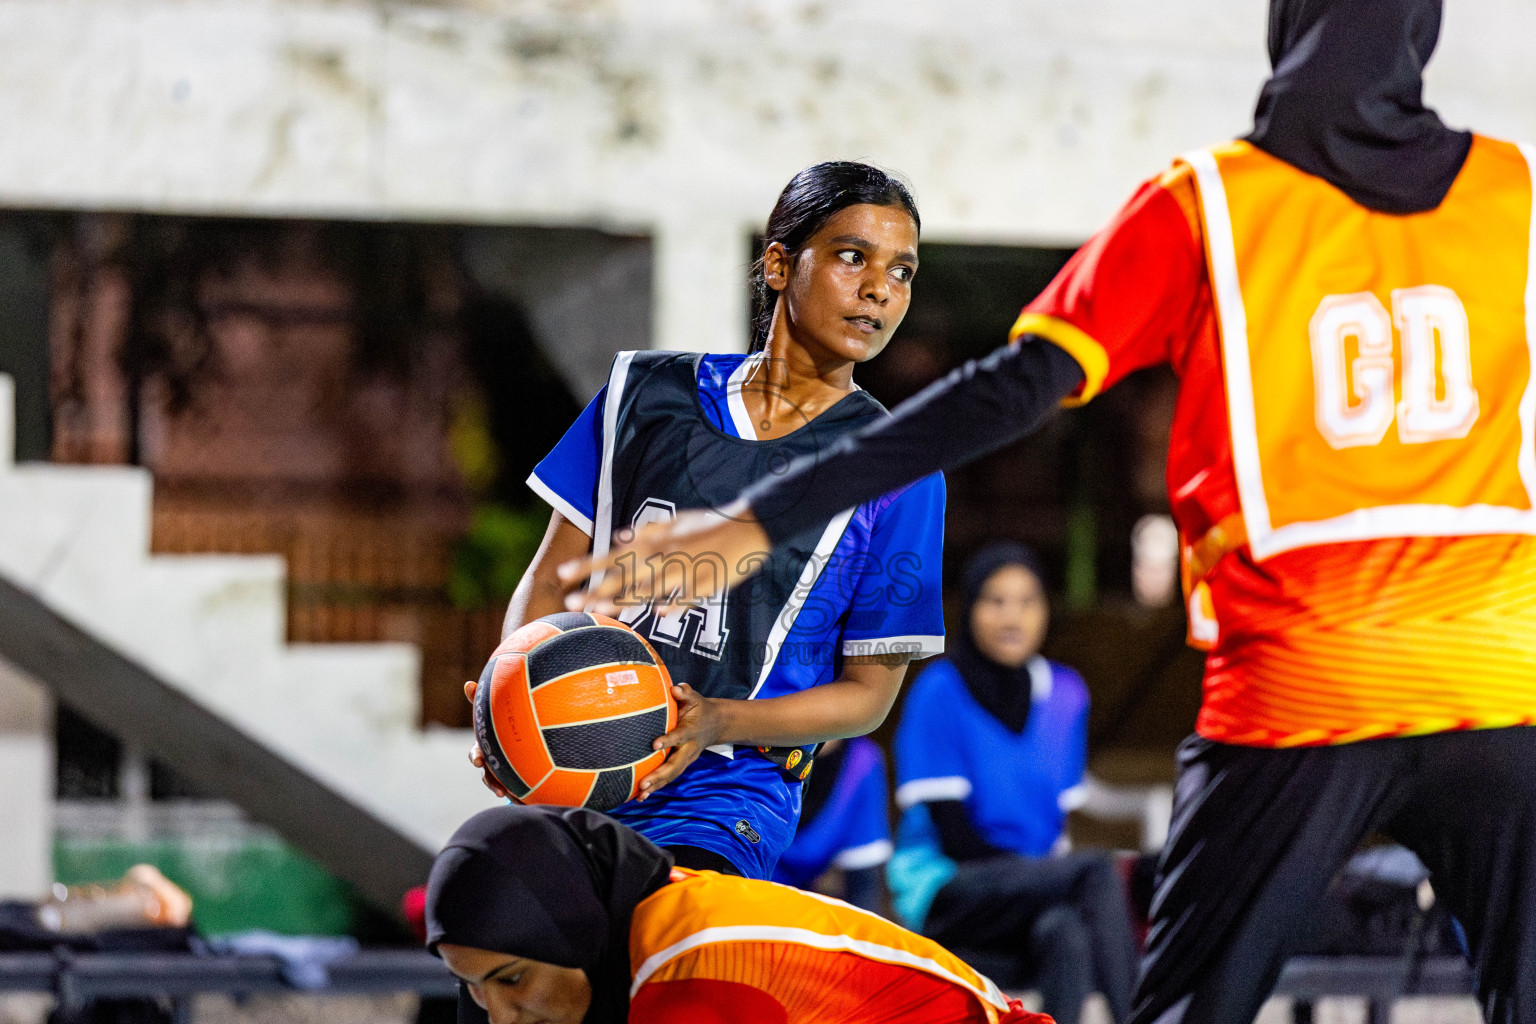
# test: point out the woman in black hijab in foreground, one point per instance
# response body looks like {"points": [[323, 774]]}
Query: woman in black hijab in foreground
{"points": [[565, 916], [554, 888]]}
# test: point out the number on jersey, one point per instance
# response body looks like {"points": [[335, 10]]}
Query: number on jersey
{"points": [[1355, 401], [707, 617]]}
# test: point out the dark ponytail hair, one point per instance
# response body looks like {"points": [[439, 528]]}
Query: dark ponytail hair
{"points": [[809, 201]]}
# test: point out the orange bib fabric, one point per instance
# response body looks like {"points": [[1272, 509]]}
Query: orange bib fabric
{"points": [[817, 958], [1382, 416], [1378, 368]]}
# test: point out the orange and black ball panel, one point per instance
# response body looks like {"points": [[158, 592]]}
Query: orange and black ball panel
{"points": [[568, 709], [486, 731], [585, 649], [574, 620]]}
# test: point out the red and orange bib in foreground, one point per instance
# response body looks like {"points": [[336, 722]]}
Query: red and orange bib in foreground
{"points": [[1377, 368], [711, 948], [1358, 513]]}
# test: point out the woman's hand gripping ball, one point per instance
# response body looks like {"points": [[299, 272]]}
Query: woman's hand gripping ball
{"points": [[701, 723]]}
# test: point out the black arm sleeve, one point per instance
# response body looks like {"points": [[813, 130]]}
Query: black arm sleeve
{"points": [[977, 409], [958, 838]]}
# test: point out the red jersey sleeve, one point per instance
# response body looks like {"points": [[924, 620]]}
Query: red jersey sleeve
{"points": [[1126, 297]]}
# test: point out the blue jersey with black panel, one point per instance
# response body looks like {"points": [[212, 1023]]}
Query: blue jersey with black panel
{"points": [[867, 583]]}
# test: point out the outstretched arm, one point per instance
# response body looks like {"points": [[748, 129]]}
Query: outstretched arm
{"points": [[977, 409]]}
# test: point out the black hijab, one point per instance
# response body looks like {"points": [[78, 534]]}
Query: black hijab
{"points": [[1345, 102], [553, 884], [1005, 692]]}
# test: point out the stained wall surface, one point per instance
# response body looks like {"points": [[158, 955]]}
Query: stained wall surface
{"points": [[1023, 121]]}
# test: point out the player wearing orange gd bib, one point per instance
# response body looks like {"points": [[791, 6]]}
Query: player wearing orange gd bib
{"points": [[1347, 297], [563, 915]]}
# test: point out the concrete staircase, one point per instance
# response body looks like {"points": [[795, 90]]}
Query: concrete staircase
{"points": [[210, 629]]}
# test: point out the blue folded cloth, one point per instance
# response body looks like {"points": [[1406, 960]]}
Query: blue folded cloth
{"points": [[305, 959]]}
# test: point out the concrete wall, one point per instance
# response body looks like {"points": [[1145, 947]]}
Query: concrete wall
{"points": [[1018, 120], [26, 750], [212, 627], [26, 786]]}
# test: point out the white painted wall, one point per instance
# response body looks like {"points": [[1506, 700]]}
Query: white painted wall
{"points": [[26, 786], [1017, 120], [26, 750]]}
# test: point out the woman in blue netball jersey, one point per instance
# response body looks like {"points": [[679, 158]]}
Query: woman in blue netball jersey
{"points": [[991, 753], [816, 648]]}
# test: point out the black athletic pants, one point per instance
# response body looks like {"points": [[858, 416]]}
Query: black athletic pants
{"points": [[1258, 834], [1062, 923], [696, 858]]}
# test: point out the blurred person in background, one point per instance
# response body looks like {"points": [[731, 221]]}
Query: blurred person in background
{"points": [[990, 755], [844, 824]]}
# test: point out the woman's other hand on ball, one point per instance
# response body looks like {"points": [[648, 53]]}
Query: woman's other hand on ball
{"points": [[477, 756], [701, 723]]}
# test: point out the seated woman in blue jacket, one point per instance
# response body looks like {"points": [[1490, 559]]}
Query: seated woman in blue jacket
{"points": [[844, 824], [990, 755]]}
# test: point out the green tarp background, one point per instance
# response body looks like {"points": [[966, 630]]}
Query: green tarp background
{"points": [[236, 885]]}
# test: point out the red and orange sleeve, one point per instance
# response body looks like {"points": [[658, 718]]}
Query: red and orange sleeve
{"points": [[1125, 296]]}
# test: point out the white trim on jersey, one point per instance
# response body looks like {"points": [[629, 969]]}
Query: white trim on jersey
{"points": [[918, 645], [602, 526], [1399, 521], [816, 940], [867, 855], [1233, 319], [559, 504], [1528, 400], [927, 791], [785, 620], [736, 405], [740, 417], [1073, 797], [1264, 539], [1042, 683]]}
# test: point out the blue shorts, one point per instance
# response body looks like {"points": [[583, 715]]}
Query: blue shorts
{"points": [[743, 808]]}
